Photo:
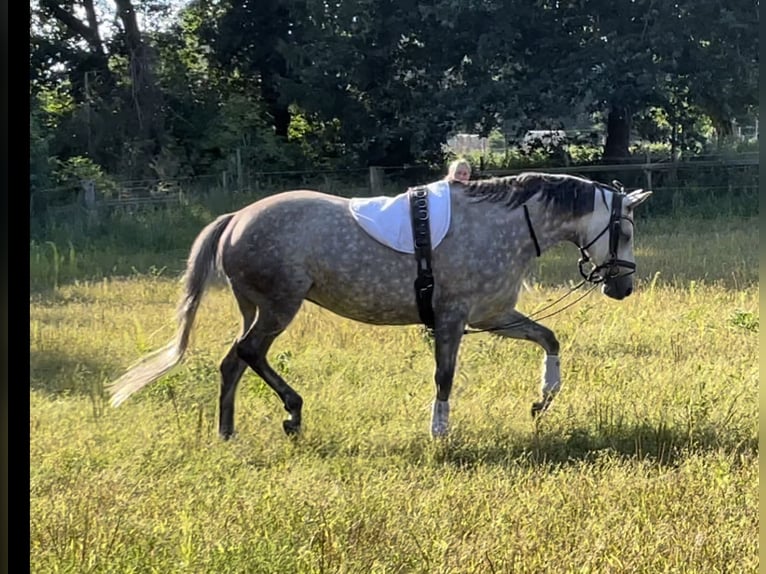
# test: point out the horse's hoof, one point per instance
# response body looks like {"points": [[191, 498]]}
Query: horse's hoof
{"points": [[291, 428], [226, 434], [539, 408], [439, 431], [439, 419]]}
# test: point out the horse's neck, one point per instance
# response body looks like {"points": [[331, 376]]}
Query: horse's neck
{"points": [[552, 228]]}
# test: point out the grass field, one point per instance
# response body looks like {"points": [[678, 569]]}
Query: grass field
{"points": [[647, 462]]}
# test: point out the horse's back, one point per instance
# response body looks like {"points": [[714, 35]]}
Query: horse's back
{"points": [[307, 243], [295, 203], [291, 213]]}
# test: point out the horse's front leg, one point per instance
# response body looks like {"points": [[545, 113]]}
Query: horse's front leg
{"points": [[522, 327], [448, 332]]}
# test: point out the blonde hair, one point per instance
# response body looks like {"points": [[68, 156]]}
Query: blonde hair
{"points": [[453, 167]]}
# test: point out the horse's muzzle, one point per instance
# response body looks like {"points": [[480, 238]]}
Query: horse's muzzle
{"points": [[618, 288]]}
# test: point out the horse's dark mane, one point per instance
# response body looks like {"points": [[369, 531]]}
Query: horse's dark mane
{"points": [[566, 193]]}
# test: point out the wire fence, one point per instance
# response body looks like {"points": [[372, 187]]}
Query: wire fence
{"points": [[730, 181]]}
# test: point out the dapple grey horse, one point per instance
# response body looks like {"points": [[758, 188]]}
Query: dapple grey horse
{"points": [[304, 245]]}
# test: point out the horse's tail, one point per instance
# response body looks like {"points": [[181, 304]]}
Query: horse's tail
{"points": [[203, 260]]}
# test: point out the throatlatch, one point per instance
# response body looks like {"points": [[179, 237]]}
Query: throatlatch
{"points": [[421, 238]]}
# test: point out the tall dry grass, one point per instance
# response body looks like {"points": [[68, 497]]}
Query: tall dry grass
{"points": [[647, 461]]}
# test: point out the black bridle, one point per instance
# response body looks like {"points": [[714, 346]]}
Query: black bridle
{"points": [[613, 267]]}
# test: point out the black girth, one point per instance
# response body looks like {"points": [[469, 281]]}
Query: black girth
{"points": [[421, 237]]}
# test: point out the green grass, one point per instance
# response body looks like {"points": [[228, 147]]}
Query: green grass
{"points": [[647, 461]]}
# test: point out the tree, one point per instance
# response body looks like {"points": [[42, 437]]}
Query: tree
{"points": [[250, 40], [721, 51], [643, 54], [146, 97], [69, 50], [57, 42], [377, 82]]}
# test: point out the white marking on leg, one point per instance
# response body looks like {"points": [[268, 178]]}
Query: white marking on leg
{"points": [[551, 382], [439, 418]]}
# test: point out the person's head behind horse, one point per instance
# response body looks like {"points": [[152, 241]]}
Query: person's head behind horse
{"points": [[459, 170]]}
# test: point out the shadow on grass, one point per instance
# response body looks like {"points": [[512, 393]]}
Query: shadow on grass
{"points": [[56, 373], [661, 445]]}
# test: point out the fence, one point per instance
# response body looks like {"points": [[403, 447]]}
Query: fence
{"points": [[675, 183], [704, 186], [648, 169]]}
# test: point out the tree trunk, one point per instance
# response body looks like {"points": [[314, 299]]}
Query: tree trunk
{"points": [[146, 96], [396, 152], [280, 114], [724, 131], [98, 60], [616, 148], [272, 65]]}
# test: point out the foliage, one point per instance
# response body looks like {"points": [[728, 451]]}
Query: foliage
{"points": [[293, 85], [74, 170], [40, 160]]}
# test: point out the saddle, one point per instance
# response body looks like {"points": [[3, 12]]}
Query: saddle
{"points": [[387, 219], [412, 222]]}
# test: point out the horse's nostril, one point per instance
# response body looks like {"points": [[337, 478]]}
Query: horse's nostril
{"points": [[628, 291]]}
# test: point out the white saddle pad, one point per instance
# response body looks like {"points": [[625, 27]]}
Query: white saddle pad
{"points": [[387, 219]]}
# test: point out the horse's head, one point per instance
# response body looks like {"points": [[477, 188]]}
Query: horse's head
{"points": [[607, 242]]}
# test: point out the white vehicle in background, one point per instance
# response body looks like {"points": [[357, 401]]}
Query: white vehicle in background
{"points": [[543, 138]]}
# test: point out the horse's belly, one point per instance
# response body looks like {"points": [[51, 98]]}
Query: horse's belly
{"points": [[366, 305]]}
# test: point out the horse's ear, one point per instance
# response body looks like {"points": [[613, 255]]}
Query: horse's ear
{"points": [[636, 198]]}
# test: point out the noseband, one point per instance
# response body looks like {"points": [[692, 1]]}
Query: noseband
{"points": [[611, 268]]}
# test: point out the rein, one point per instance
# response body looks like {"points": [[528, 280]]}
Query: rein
{"points": [[534, 316]]}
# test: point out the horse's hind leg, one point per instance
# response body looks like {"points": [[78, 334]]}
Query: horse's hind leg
{"points": [[254, 345], [232, 368]]}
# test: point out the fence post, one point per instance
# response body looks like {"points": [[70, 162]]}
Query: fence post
{"points": [[376, 180], [89, 198], [648, 172]]}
